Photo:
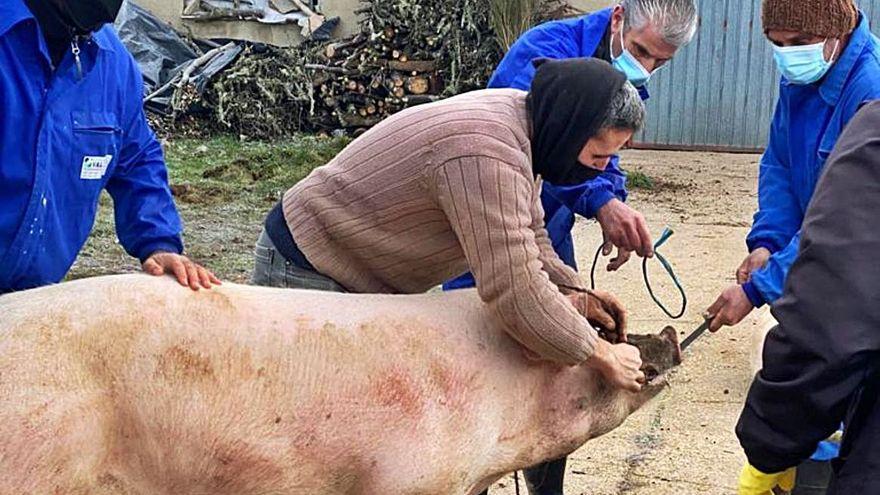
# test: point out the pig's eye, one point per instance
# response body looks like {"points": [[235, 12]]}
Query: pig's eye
{"points": [[650, 373]]}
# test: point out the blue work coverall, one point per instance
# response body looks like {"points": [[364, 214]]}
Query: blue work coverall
{"points": [[809, 119], [570, 38], [67, 133]]}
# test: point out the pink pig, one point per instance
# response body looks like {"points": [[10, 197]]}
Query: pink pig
{"points": [[131, 385]]}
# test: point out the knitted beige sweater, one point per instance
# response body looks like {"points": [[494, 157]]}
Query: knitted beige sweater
{"points": [[432, 192]]}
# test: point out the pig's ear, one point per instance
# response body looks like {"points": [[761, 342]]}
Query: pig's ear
{"points": [[670, 335]]}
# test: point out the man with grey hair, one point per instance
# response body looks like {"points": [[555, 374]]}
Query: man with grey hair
{"points": [[637, 37]]}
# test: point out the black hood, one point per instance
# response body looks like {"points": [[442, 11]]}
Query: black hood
{"points": [[84, 17], [568, 102]]}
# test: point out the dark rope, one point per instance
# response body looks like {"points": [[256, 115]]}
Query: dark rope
{"points": [[667, 233]]}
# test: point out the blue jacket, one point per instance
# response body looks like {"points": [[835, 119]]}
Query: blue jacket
{"points": [[570, 38], [808, 121], [65, 136]]}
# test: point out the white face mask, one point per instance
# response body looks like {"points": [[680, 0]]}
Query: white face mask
{"points": [[803, 64]]}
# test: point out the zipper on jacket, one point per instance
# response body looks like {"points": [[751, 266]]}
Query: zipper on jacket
{"points": [[74, 47]]}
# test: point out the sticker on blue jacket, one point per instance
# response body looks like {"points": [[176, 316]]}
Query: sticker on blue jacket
{"points": [[94, 167]]}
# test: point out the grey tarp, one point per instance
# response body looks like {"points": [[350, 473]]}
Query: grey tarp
{"points": [[163, 56]]}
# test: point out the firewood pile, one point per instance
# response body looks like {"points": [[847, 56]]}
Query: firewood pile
{"points": [[408, 52]]}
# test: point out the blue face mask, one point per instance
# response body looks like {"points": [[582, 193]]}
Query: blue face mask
{"points": [[629, 65], [804, 64]]}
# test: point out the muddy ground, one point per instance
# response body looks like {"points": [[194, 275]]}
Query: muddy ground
{"points": [[683, 442]]}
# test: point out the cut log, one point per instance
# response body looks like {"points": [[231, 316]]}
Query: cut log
{"points": [[418, 85], [409, 65], [330, 68]]}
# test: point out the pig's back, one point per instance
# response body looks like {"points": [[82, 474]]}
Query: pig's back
{"points": [[128, 316], [245, 389]]}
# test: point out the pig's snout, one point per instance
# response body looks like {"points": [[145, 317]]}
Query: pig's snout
{"points": [[660, 352]]}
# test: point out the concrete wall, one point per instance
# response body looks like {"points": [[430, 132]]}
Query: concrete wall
{"points": [[284, 35], [592, 5], [280, 35]]}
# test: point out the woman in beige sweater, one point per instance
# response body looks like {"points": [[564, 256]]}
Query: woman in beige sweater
{"points": [[453, 186]]}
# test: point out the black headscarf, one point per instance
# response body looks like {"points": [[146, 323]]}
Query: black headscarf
{"points": [[568, 102], [87, 16], [61, 20]]}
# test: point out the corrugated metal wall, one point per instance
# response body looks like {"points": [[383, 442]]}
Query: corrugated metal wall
{"points": [[720, 91]]}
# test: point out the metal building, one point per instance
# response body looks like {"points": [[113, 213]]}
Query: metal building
{"points": [[720, 91]]}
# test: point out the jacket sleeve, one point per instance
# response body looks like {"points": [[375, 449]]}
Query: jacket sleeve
{"points": [[490, 207], [559, 272], [552, 40], [146, 218], [588, 198], [817, 359], [779, 215], [766, 284]]}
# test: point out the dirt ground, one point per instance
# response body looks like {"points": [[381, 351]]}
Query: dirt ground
{"points": [[682, 442]]}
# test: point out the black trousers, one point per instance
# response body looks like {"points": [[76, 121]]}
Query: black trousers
{"points": [[813, 478], [545, 479]]}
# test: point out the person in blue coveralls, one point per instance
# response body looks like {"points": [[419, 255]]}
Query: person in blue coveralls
{"points": [[830, 65], [637, 37], [71, 125]]}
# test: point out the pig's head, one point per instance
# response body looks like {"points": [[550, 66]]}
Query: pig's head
{"points": [[597, 406]]}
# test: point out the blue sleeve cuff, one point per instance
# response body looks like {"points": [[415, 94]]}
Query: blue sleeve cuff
{"points": [[594, 201], [762, 244], [167, 246], [753, 294]]}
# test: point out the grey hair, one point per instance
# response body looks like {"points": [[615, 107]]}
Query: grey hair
{"points": [[675, 20], [627, 111]]}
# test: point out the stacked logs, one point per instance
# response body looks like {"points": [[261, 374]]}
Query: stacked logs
{"points": [[408, 52]]}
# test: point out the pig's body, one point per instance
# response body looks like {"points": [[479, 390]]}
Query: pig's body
{"points": [[133, 385]]}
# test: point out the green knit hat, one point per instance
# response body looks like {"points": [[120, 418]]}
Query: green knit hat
{"points": [[826, 18]]}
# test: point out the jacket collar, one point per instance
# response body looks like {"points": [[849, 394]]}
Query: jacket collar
{"points": [[831, 89], [13, 12]]}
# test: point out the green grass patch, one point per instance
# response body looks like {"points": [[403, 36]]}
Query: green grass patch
{"points": [[223, 188], [224, 169], [638, 180]]}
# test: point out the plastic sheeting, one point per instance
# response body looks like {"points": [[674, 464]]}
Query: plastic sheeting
{"points": [[165, 57], [264, 11]]}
